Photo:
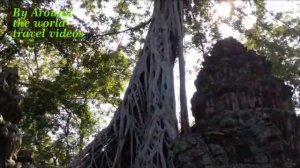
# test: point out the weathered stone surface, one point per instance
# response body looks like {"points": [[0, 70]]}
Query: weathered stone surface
{"points": [[10, 97], [10, 116], [243, 114]]}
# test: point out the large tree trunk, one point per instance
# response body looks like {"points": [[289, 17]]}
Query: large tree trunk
{"points": [[145, 123]]}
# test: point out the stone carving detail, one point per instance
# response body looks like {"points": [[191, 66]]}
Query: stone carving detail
{"points": [[243, 114]]}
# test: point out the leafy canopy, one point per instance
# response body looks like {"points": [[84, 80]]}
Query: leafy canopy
{"points": [[65, 81]]}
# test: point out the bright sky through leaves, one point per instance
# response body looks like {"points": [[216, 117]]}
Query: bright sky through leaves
{"points": [[223, 10]]}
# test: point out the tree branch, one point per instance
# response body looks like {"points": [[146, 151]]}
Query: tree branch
{"points": [[51, 91], [274, 17], [141, 25], [36, 54], [185, 126], [37, 86]]}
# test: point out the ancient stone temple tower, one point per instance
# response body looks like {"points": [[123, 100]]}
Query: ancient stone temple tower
{"points": [[244, 115]]}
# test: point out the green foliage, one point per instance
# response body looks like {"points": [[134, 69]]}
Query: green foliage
{"points": [[62, 79], [60, 107], [274, 35], [277, 39]]}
